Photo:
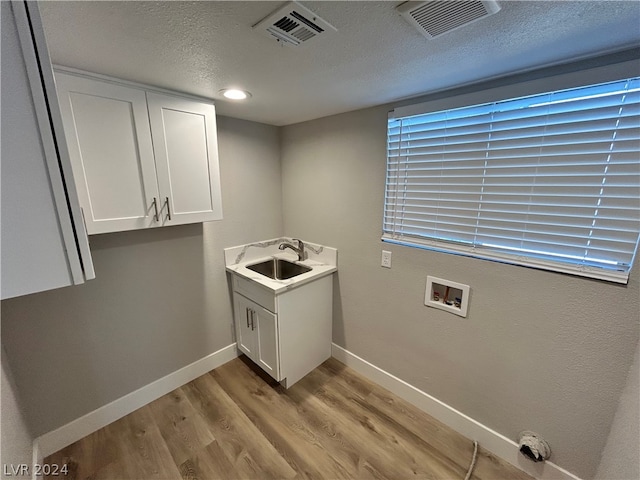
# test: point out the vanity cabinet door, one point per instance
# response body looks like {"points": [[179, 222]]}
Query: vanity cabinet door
{"points": [[109, 139], [245, 335], [257, 334], [186, 151], [267, 352]]}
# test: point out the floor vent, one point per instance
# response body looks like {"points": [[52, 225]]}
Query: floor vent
{"points": [[436, 17], [293, 25]]}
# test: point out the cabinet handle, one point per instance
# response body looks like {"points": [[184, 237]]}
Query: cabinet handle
{"points": [[247, 314], [253, 321], [166, 202], [155, 207]]}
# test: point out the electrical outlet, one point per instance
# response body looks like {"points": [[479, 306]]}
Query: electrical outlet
{"points": [[386, 259]]}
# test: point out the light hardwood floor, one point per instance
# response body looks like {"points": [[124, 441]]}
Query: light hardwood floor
{"points": [[237, 423]]}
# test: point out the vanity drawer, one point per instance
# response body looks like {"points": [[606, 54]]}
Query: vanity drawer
{"points": [[255, 292]]}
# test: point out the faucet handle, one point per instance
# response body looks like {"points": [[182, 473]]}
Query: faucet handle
{"points": [[300, 248]]}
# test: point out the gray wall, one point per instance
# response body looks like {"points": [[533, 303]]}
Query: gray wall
{"points": [[621, 458], [159, 302], [539, 350], [16, 442]]}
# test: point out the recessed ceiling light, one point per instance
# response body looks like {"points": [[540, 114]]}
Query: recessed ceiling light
{"points": [[235, 94]]}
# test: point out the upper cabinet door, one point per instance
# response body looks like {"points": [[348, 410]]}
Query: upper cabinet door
{"points": [[185, 146], [109, 140], [44, 244]]}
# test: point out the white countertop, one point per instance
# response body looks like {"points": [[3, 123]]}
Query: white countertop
{"points": [[322, 261]]}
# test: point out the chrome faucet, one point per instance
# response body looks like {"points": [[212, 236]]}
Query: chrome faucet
{"points": [[299, 249]]}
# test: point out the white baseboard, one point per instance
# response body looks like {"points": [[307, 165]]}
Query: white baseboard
{"points": [[493, 441], [57, 439]]}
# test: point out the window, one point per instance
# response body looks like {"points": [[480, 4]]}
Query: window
{"points": [[549, 181]]}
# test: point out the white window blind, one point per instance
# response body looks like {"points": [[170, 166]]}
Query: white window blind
{"points": [[549, 180]]}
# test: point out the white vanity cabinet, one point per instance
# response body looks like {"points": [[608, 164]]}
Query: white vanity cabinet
{"points": [[286, 334], [141, 159], [44, 243]]}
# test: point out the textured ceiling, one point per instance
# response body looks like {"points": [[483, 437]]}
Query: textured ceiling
{"points": [[375, 57]]}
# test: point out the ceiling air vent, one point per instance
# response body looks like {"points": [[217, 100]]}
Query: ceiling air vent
{"points": [[436, 17], [293, 25]]}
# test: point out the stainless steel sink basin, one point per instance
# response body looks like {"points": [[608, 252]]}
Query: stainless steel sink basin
{"points": [[278, 269]]}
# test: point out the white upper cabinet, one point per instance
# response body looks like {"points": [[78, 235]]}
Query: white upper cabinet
{"points": [[44, 243], [140, 159]]}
